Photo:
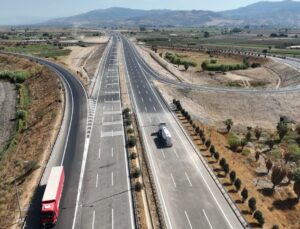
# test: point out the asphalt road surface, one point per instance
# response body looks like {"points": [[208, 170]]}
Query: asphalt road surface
{"points": [[68, 151], [105, 201], [188, 195]]}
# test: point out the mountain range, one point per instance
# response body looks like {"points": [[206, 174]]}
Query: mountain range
{"points": [[267, 13]]}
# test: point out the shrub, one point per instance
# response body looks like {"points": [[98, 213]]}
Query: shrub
{"points": [[238, 184], [136, 172], [128, 122], [234, 142], [130, 131], [138, 186], [21, 114], [131, 142], [133, 156]]}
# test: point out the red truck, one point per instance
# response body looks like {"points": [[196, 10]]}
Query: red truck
{"points": [[52, 196]]}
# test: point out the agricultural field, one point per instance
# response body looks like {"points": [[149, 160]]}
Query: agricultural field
{"points": [[274, 42]]}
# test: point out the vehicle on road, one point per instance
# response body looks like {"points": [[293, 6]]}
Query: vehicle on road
{"points": [[52, 196], [164, 135]]}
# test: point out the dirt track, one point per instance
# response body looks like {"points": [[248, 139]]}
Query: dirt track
{"points": [[7, 114]]}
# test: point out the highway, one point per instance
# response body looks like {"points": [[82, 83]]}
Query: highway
{"points": [[105, 200], [68, 150], [188, 195]]}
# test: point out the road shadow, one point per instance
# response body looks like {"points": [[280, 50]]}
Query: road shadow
{"points": [[34, 212]]}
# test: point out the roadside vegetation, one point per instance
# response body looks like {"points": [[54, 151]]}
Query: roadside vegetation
{"points": [[44, 50], [259, 169], [264, 41], [38, 116]]}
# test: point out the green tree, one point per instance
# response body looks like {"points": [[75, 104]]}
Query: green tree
{"points": [[259, 217], [238, 184], [232, 176], [226, 169], [257, 132], [217, 156], [228, 123], [222, 162], [282, 129], [206, 34], [278, 174], [243, 143], [208, 143], [252, 204], [244, 194]]}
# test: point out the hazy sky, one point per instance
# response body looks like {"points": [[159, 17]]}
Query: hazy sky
{"points": [[57, 8]]}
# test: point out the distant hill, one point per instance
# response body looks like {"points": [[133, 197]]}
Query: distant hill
{"points": [[284, 13], [133, 18]]}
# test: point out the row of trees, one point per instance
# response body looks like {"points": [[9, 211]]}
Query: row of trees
{"points": [[279, 172], [235, 181], [175, 59]]}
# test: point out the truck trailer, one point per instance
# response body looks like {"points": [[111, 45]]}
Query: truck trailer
{"points": [[52, 196], [165, 135]]}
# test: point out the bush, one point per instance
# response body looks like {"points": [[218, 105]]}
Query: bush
{"points": [[212, 150], [21, 114], [130, 131], [226, 168], [234, 142], [136, 173], [138, 186], [126, 112], [133, 156], [244, 194], [132, 142], [128, 122]]}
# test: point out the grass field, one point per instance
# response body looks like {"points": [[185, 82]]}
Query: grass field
{"points": [[39, 50]]}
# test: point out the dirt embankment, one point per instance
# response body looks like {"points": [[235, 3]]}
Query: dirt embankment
{"points": [[31, 147], [84, 61], [213, 108], [270, 75]]}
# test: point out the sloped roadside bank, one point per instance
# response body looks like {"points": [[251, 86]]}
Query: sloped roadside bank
{"points": [[31, 145]]}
